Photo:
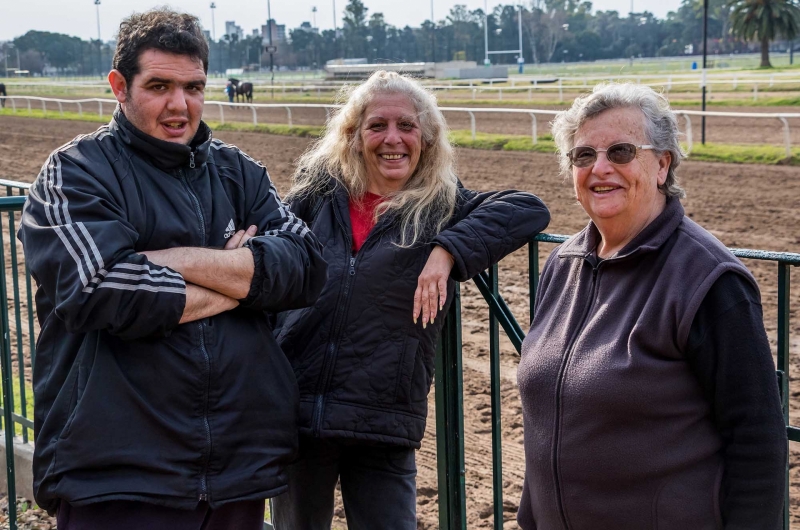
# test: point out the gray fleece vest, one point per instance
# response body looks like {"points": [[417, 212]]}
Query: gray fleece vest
{"points": [[618, 434]]}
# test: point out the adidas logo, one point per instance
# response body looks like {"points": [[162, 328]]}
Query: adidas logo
{"points": [[230, 229]]}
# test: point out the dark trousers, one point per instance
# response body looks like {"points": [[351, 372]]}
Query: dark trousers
{"points": [[378, 487], [132, 515]]}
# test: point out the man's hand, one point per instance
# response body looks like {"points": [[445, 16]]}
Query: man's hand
{"points": [[238, 239], [203, 303], [432, 285], [228, 272]]}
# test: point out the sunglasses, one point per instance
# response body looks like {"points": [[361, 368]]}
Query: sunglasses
{"points": [[619, 154]]}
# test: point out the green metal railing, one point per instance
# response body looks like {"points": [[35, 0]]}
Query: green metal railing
{"points": [[449, 395], [449, 383], [12, 415]]}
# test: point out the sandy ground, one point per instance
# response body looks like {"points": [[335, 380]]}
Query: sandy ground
{"points": [[743, 205]]}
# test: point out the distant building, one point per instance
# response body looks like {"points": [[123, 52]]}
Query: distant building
{"points": [[207, 35], [306, 26], [232, 29], [278, 31]]}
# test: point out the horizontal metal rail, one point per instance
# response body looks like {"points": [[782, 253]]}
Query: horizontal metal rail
{"points": [[783, 117]]}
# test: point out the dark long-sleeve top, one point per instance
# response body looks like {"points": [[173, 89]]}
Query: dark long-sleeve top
{"points": [[729, 353]]}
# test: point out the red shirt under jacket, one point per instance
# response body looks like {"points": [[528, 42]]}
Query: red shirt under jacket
{"points": [[362, 217]]}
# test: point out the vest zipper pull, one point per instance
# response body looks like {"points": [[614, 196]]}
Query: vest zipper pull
{"points": [[191, 159]]}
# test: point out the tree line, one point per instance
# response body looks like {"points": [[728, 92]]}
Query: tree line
{"points": [[552, 31]]}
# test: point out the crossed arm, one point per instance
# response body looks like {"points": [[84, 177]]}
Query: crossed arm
{"points": [[215, 279]]}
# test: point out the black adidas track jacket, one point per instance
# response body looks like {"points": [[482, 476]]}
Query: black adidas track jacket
{"points": [[130, 404]]}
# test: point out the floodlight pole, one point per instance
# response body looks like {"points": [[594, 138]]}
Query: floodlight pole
{"points": [[213, 25], [97, 3], [486, 33], [335, 40], [520, 34], [705, 54], [271, 62], [433, 34]]}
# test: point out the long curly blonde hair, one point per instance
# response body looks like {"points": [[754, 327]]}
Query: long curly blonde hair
{"points": [[427, 200]]}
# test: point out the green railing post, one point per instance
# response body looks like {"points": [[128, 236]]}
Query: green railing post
{"points": [[783, 363], [23, 398], [497, 434], [533, 276], [8, 393], [450, 422]]}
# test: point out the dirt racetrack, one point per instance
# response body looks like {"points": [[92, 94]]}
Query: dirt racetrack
{"points": [[743, 205]]}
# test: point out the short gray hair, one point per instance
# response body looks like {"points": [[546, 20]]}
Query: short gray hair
{"points": [[660, 124]]}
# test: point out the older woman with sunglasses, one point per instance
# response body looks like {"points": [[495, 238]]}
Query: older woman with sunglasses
{"points": [[647, 382]]}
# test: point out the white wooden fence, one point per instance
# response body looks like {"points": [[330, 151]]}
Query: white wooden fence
{"points": [[104, 104]]}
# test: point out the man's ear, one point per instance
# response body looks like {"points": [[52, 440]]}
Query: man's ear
{"points": [[118, 85]]}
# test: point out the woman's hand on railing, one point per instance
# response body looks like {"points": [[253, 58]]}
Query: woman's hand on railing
{"points": [[431, 293]]}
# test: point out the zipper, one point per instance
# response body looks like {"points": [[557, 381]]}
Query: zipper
{"points": [[196, 203], [203, 495], [559, 384], [203, 476], [328, 363], [343, 303]]}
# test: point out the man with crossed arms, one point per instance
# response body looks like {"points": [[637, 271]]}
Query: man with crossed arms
{"points": [[162, 399]]}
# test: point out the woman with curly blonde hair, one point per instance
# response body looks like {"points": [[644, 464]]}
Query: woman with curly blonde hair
{"points": [[379, 190]]}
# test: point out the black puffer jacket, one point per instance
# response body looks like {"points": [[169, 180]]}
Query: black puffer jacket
{"points": [[130, 404], [364, 368]]}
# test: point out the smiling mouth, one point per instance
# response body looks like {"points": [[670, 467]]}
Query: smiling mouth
{"points": [[174, 125], [603, 189], [392, 157]]}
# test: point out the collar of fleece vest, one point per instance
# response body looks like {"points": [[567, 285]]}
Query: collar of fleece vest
{"points": [[654, 235]]}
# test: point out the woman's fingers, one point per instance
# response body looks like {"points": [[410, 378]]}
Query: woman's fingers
{"points": [[442, 292], [433, 300], [417, 302], [431, 293]]}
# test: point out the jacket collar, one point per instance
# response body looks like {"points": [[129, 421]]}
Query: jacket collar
{"points": [[341, 201], [164, 155], [585, 242]]}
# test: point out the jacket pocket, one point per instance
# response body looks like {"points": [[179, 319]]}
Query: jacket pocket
{"points": [[405, 371], [83, 366]]}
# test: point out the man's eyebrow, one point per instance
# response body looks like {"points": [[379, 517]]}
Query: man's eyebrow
{"points": [[159, 80], [165, 81]]}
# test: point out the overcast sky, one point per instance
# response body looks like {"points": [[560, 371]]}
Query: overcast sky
{"points": [[79, 17]]}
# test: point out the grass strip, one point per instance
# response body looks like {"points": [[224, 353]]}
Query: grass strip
{"points": [[745, 154], [303, 131], [18, 405], [726, 153], [677, 98]]}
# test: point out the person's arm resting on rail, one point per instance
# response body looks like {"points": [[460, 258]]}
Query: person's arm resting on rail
{"points": [[489, 226]]}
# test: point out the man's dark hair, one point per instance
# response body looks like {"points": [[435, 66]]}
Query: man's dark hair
{"points": [[158, 29]]}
